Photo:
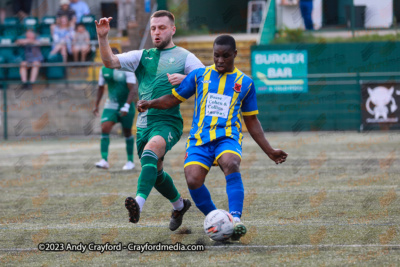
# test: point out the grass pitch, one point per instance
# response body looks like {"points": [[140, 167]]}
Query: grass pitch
{"points": [[334, 202]]}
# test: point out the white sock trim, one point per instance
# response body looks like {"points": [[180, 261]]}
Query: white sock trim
{"points": [[140, 201], [178, 205]]}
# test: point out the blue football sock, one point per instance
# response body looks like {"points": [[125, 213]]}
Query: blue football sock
{"points": [[235, 192], [201, 196]]}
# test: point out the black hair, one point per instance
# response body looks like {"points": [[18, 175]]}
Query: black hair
{"points": [[226, 40]]}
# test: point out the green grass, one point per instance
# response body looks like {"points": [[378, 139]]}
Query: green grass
{"points": [[334, 203]]}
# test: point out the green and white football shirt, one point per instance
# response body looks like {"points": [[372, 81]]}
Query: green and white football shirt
{"points": [[118, 91], [151, 67]]}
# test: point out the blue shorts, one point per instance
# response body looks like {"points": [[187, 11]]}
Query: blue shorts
{"points": [[205, 155]]}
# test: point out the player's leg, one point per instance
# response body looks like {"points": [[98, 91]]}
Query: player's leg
{"points": [[197, 164], [229, 154], [127, 122], [108, 120], [129, 145], [149, 154], [166, 187], [164, 183]]}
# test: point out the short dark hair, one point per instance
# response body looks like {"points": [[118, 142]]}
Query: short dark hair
{"points": [[164, 13], [226, 40], [115, 50]]}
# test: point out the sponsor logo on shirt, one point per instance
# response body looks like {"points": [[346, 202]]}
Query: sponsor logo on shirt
{"points": [[206, 81], [149, 58]]}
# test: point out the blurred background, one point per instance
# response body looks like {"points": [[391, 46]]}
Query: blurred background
{"points": [[318, 65]]}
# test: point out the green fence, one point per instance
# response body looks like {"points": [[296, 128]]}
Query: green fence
{"points": [[335, 75]]}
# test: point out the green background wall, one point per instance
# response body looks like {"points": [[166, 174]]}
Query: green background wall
{"points": [[219, 16], [332, 103]]}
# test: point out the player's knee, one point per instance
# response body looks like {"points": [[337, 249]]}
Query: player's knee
{"points": [[105, 128], [193, 183], [231, 166]]}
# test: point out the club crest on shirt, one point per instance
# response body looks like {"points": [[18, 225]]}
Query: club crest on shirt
{"points": [[171, 60], [237, 88]]}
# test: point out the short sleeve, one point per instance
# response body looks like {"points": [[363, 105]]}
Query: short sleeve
{"points": [[130, 77], [130, 61], [249, 103], [192, 63], [102, 81], [187, 87]]}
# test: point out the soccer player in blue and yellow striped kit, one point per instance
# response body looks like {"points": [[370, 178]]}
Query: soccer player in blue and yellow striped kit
{"points": [[222, 94]]}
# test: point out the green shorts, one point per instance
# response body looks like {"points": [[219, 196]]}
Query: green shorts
{"points": [[170, 134], [115, 116]]}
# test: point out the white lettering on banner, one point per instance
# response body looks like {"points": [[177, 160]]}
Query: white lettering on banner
{"points": [[218, 105], [291, 58], [280, 73]]}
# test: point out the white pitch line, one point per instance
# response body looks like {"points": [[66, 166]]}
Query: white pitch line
{"points": [[263, 246], [305, 246]]}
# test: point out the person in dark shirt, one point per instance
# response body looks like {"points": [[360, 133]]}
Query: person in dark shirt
{"points": [[33, 58], [22, 8]]}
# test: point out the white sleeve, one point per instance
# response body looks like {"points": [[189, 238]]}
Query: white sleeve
{"points": [[101, 78], [129, 61], [130, 77], [192, 63]]}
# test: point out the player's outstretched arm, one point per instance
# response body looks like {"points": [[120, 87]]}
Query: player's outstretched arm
{"points": [[164, 102], [254, 127], [109, 59]]}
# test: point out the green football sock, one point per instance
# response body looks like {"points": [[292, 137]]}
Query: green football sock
{"points": [[104, 143], [166, 187], [129, 141], [148, 176]]}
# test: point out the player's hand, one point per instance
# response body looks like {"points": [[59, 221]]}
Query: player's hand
{"points": [[124, 110], [96, 111], [103, 26], [277, 155], [175, 78], [143, 105]]}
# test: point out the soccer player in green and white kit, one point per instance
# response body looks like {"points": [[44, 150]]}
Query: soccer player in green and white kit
{"points": [[122, 94], [158, 70]]}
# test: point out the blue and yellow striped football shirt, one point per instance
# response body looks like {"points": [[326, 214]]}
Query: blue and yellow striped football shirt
{"points": [[220, 100]]}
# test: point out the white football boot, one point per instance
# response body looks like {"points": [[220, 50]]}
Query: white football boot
{"points": [[102, 164], [128, 166]]}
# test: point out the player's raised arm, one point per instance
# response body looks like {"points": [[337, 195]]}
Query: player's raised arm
{"points": [[254, 127], [108, 58]]}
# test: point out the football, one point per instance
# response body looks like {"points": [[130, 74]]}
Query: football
{"points": [[219, 225]]}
